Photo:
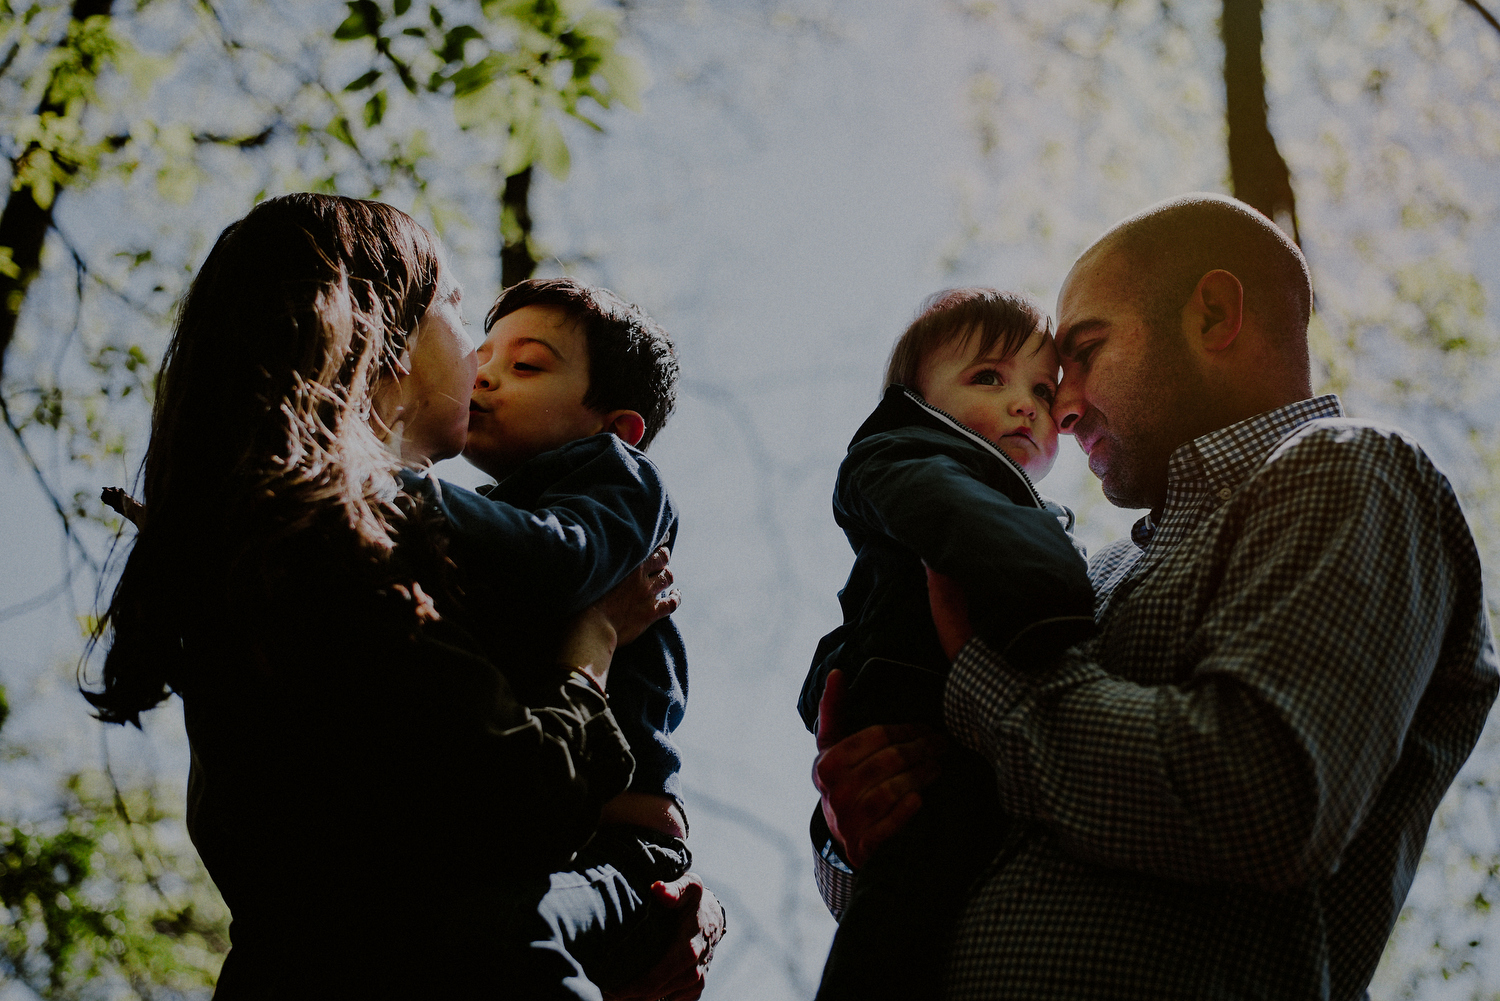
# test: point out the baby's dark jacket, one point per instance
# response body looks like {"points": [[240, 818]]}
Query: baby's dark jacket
{"points": [[918, 485], [551, 539]]}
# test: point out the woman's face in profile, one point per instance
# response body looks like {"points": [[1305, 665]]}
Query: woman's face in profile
{"points": [[435, 395]]}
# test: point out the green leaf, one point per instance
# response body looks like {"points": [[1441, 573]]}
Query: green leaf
{"points": [[375, 109], [401, 7], [477, 77], [453, 42], [364, 19], [436, 16], [552, 150], [364, 81], [339, 129]]}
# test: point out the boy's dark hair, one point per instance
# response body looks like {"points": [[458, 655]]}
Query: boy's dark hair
{"points": [[632, 365], [986, 314]]}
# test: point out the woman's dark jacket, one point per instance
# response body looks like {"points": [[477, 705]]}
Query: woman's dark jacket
{"points": [[376, 799]]}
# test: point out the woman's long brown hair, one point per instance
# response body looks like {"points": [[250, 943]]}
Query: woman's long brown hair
{"points": [[262, 464]]}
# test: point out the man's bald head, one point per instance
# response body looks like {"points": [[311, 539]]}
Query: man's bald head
{"points": [[1163, 251]]}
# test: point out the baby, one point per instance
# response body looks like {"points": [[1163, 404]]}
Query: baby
{"points": [[942, 474], [571, 382]]}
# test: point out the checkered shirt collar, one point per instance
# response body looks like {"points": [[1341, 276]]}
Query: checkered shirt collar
{"points": [[1213, 467]]}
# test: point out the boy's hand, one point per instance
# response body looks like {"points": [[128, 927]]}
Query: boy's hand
{"points": [[869, 782], [950, 612], [680, 975], [642, 598]]}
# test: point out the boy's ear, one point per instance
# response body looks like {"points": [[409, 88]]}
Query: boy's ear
{"points": [[627, 425]]}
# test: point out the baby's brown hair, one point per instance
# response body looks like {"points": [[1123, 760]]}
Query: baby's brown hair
{"points": [[993, 316]]}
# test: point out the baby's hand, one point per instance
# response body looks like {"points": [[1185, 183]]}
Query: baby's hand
{"points": [[950, 612]]}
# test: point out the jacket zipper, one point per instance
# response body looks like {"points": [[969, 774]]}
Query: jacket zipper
{"points": [[980, 440]]}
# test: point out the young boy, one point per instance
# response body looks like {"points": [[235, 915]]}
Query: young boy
{"points": [[942, 474], [571, 381]]}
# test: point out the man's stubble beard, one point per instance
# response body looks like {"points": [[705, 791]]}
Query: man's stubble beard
{"points": [[1155, 418]]}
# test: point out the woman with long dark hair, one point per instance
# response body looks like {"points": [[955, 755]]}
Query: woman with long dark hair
{"points": [[376, 801]]}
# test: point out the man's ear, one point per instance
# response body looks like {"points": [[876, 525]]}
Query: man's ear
{"points": [[627, 425], [1216, 310]]}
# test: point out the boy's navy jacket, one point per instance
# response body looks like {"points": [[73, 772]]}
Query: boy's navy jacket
{"points": [[548, 541], [918, 485]]}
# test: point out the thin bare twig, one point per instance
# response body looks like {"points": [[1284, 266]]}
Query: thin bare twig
{"points": [[1484, 13], [41, 479]]}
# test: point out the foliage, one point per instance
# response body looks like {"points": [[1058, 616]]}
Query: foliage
{"points": [[107, 890], [508, 71]]}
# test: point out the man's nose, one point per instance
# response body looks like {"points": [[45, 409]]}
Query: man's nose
{"points": [[1068, 407]]}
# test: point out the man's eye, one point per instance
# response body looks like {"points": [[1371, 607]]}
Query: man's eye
{"points": [[1085, 354], [988, 377]]}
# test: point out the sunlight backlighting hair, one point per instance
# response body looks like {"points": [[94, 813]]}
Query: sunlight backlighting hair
{"points": [[983, 316], [262, 461]]}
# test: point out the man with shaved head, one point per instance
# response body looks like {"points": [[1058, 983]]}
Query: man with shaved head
{"points": [[1225, 793]]}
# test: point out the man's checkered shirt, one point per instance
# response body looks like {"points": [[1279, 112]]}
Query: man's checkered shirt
{"points": [[1226, 792]]}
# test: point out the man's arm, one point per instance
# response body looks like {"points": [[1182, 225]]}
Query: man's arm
{"points": [[1319, 642]]}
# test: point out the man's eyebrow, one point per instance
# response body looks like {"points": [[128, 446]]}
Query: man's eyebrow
{"points": [[1065, 345], [537, 340]]}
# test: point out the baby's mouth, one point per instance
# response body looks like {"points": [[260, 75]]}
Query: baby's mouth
{"points": [[1020, 433]]}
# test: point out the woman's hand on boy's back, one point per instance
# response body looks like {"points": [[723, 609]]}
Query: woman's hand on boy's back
{"points": [[869, 782]]}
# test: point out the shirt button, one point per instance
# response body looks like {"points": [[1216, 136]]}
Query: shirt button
{"points": [[1225, 493]]}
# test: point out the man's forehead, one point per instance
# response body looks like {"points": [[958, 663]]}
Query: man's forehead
{"points": [[1101, 278]]}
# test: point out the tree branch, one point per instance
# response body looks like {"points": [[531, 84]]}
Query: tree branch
{"points": [[24, 223], [1484, 13], [1259, 173], [57, 505]]}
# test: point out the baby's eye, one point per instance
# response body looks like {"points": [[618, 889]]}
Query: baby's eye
{"points": [[988, 377], [1045, 393], [521, 366]]}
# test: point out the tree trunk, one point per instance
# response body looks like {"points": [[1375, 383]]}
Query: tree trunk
{"points": [[1258, 173], [516, 262], [24, 223]]}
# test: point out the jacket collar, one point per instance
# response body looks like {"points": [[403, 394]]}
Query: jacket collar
{"points": [[1208, 470], [905, 408]]}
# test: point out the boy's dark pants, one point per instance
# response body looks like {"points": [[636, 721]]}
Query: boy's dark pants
{"points": [[597, 925], [894, 935]]}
